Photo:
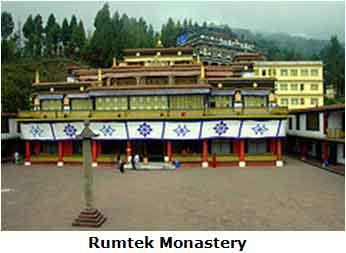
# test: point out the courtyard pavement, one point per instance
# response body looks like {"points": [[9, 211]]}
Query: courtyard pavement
{"points": [[295, 197]]}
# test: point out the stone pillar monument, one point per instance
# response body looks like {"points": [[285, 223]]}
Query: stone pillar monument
{"points": [[90, 216]]}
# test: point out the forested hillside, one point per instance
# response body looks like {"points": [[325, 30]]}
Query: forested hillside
{"points": [[51, 47]]}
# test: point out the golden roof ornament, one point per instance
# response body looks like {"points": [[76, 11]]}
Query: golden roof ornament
{"points": [[159, 43]]}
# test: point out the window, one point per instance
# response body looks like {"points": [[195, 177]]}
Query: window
{"points": [[314, 101], [223, 101], [149, 102], [314, 86], [313, 121], [5, 126], [283, 86], [290, 123], [284, 72], [255, 101], [301, 86], [186, 102], [274, 72], [302, 101], [294, 101], [294, 86], [81, 104], [51, 105], [294, 72], [284, 101], [257, 146], [314, 72], [263, 72], [297, 122], [304, 72], [269, 72], [256, 72], [220, 146], [111, 103]]}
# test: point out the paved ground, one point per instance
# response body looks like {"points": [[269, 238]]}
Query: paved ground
{"points": [[295, 197]]}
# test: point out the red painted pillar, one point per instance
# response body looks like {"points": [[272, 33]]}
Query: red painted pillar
{"points": [[37, 148], [279, 149], [60, 153], [99, 147], [27, 152], [128, 151], [242, 153], [205, 154], [169, 150], [94, 151], [213, 161], [325, 153], [273, 146], [303, 150], [325, 122], [235, 146]]}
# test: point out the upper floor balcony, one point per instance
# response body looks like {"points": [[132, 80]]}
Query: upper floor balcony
{"points": [[188, 114]]}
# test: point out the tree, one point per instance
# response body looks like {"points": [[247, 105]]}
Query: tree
{"points": [[100, 51], [7, 25], [333, 56], [65, 35], [38, 35], [78, 38], [52, 31], [73, 26], [169, 33], [28, 32]]}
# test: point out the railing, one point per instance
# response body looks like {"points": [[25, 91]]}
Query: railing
{"points": [[335, 133], [143, 114]]}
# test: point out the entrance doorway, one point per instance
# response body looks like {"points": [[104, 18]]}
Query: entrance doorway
{"points": [[154, 150]]}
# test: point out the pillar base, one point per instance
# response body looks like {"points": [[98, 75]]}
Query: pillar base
{"points": [[205, 164], [238, 105], [166, 159], [279, 163], [94, 164], [27, 163], [60, 164], [89, 218], [242, 164]]}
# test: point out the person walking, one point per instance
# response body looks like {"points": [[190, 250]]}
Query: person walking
{"points": [[120, 164]]}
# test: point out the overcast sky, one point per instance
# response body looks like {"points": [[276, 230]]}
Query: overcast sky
{"points": [[312, 19]]}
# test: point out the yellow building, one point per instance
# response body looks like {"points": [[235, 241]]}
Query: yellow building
{"points": [[299, 84]]}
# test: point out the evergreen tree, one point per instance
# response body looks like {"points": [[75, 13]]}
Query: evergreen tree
{"points": [[169, 33], [333, 56], [52, 38], [100, 50], [28, 32], [78, 38], [73, 26], [38, 35], [7, 25], [65, 35]]}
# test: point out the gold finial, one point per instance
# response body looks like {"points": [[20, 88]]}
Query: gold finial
{"points": [[202, 71], [114, 61], [159, 43], [238, 96], [37, 76], [99, 74]]}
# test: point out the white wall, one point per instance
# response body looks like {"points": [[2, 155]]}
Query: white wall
{"points": [[335, 120], [340, 153], [302, 130], [12, 125]]}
